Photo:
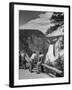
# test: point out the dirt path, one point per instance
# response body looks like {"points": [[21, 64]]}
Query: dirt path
{"points": [[25, 74]]}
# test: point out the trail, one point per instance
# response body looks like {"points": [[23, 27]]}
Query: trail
{"points": [[25, 74]]}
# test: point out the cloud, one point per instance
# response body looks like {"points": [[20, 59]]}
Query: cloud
{"points": [[42, 22], [46, 15]]}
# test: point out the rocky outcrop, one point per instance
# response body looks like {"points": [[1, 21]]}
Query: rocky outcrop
{"points": [[33, 41]]}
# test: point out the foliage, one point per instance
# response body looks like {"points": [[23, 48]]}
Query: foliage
{"points": [[57, 17], [58, 20]]}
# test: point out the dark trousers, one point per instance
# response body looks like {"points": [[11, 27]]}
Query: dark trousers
{"points": [[23, 64], [31, 65], [38, 66]]}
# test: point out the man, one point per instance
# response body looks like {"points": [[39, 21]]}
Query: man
{"points": [[39, 63], [34, 59], [23, 61]]}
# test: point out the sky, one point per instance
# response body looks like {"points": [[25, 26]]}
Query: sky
{"points": [[35, 20], [25, 16]]}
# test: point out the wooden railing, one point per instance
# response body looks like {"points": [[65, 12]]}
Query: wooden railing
{"points": [[52, 68]]}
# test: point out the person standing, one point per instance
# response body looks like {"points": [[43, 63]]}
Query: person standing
{"points": [[34, 59], [23, 61], [40, 57]]}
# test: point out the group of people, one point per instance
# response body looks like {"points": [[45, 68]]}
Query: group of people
{"points": [[34, 61]]}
